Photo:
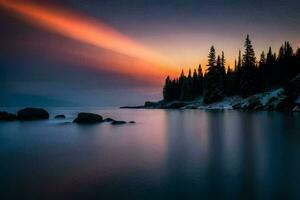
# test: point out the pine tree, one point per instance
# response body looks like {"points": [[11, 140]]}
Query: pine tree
{"points": [[297, 61], [166, 90], [195, 89], [248, 80], [212, 57], [200, 84], [223, 72], [212, 90], [238, 72], [230, 82]]}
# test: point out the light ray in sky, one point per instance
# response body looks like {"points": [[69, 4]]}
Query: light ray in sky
{"points": [[73, 25]]}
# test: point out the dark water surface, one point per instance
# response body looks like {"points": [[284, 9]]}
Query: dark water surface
{"points": [[173, 154]]}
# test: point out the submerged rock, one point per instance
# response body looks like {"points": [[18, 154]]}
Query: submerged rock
{"points": [[5, 116], [60, 117], [88, 118], [115, 122], [108, 120], [32, 114]]}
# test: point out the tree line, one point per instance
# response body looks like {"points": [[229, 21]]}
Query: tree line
{"points": [[248, 76]]}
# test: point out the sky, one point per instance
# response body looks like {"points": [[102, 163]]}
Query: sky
{"points": [[118, 52]]}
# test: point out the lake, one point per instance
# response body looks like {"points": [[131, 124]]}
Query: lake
{"points": [[167, 154]]}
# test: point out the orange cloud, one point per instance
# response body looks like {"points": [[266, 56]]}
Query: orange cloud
{"points": [[91, 32]]}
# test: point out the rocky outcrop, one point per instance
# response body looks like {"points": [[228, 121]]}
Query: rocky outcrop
{"points": [[32, 114], [263, 101], [88, 118], [60, 117], [282, 99], [5, 116]]}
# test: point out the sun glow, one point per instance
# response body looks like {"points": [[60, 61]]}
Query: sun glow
{"points": [[89, 31]]}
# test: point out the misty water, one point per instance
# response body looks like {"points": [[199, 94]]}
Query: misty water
{"points": [[167, 154]]}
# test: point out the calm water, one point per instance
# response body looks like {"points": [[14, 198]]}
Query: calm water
{"points": [[174, 154]]}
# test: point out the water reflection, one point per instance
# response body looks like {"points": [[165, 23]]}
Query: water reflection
{"points": [[167, 154]]}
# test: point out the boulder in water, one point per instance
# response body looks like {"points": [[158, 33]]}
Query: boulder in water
{"points": [[88, 118], [108, 120], [5, 116], [32, 114], [60, 117], [115, 122]]}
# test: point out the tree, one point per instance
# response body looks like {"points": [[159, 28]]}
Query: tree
{"points": [[166, 90], [212, 90], [222, 72], [247, 78], [248, 82], [230, 82], [212, 57], [200, 81]]}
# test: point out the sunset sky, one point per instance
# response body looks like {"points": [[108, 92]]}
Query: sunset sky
{"points": [[117, 52]]}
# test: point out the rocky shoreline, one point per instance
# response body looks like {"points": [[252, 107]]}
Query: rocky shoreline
{"points": [[269, 101], [281, 99]]}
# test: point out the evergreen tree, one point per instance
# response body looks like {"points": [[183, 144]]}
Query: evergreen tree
{"points": [[297, 61], [246, 79], [238, 72], [271, 74], [166, 90], [212, 57], [195, 89], [223, 72], [230, 82], [248, 82], [212, 90], [200, 84]]}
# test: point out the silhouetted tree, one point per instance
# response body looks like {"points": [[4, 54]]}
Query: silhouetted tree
{"points": [[212, 90], [230, 82], [248, 80], [200, 84]]}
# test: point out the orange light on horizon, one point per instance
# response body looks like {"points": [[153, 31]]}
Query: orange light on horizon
{"points": [[73, 25]]}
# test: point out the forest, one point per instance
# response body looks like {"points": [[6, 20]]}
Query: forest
{"points": [[247, 78]]}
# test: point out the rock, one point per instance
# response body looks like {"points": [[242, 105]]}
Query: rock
{"points": [[212, 96], [236, 106], [132, 107], [292, 89], [118, 122], [296, 109], [108, 120], [132, 122], [32, 114], [88, 118], [175, 105], [286, 104], [150, 104], [60, 117], [5, 116]]}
